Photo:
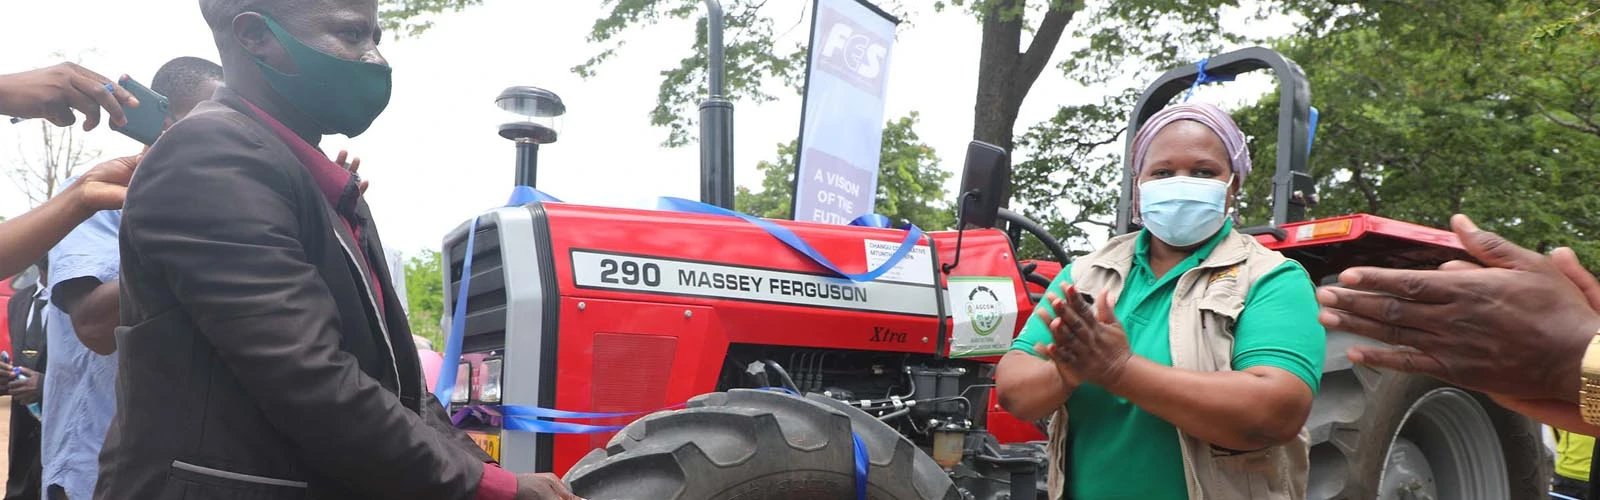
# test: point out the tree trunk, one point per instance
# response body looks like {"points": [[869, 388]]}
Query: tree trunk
{"points": [[1005, 73]]}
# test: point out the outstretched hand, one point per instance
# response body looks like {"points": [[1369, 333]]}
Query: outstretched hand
{"points": [[1516, 326], [105, 186], [53, 93]]}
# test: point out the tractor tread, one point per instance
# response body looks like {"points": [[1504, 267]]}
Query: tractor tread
{"points": [[749, 445]]}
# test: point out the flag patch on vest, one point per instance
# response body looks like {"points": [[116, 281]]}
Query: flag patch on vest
{"points": [[1231, 272]]}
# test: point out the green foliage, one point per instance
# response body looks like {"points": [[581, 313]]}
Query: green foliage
{"points": [[910, 182], [1439, 108], [1075, 167], [425, 295], [1072, 176], [403, 18], [752, 57]]}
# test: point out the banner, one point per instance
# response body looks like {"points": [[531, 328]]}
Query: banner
{"points": [[841, 125]]}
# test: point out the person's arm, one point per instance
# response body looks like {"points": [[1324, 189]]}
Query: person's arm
{"points": [[1264, 403], [1245, 410], [219, 223], [1552, 412], [86, 260], [94, 309], [53, 93], [25, 239], [1029, 386]]}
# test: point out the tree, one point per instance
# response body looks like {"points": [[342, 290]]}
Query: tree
{"points": [[44, 172], [1430, 108], [910, 182], [1127, 39], [406, 17], [425, 295]]}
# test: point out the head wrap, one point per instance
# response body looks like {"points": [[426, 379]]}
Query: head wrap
{"points": [[1206, 114]]}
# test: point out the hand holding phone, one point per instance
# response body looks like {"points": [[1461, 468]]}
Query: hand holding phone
{"points": [[146, 122]]}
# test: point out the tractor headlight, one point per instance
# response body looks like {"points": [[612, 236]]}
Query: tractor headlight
{"points": [[489, 391], [461, 394]]}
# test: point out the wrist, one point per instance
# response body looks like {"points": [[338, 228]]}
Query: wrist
{"points": [[76, 205], [1118, 376], [1572, 369]]}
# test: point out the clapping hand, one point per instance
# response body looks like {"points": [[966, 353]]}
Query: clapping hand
{"points": [[1090, 344], [1516, 327]]}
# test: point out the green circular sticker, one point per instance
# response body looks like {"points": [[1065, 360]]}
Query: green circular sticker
{"points": [[983, 307]]}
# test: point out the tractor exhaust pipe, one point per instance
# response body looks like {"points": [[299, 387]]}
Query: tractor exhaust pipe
{"points": [[716, 121]]}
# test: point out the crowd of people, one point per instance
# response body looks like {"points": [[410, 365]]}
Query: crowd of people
{"points": [[226, 327]]}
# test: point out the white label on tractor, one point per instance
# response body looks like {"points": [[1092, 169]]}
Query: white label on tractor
{"points": [[698, 279], [916, 267], [985, 314]]}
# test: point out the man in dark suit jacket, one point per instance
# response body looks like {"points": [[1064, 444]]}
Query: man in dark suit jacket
{"points": [[265, 354], [25, 312]]}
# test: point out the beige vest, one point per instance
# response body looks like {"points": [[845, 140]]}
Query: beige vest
{"points": [[1205, 305]]}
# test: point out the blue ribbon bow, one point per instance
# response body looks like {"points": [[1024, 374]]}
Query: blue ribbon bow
{"points": [[1202, 78]]}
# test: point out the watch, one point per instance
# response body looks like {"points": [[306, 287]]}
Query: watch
{"points": [[1589, 387]]}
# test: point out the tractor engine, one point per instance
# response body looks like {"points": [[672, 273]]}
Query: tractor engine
{"points": [[608, 310]]}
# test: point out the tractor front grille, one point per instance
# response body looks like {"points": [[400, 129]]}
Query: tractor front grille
{"points": [[486, 298]]}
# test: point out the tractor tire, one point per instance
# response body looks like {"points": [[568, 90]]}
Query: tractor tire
{"points": [[895, 460], [748, 445], [1385, 435]]}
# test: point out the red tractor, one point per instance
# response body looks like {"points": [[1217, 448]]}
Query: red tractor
{"points": [[609, 310]]}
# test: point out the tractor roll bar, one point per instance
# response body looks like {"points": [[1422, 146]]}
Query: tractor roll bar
{"points": [[1292, 185]]}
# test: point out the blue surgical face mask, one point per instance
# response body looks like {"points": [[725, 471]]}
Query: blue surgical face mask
{"points": [[1183, 211]]}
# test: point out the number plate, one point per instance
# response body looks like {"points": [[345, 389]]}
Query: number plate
{"points": [[489, 442]]}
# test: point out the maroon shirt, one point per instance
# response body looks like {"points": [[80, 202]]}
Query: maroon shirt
{"points": [[342, 190]]}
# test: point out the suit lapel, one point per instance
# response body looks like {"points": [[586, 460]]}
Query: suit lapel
{"points": [[347, 243]]}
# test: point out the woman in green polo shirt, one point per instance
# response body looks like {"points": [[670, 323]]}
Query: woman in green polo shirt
{"points": [[1192, 374]]}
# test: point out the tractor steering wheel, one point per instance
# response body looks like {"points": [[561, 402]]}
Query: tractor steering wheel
{"points": [[1033, 228], [1050, 243]]}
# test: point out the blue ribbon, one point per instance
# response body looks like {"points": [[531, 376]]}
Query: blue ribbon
{"points": [[548, 427], [521, 195], [861, 466], [783, 234], [1202, 78], [1311, 134], [536, 412], [458, 322], [863, 463], [872, 220]]}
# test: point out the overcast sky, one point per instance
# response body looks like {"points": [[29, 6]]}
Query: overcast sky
{"points": [[434, 158]]}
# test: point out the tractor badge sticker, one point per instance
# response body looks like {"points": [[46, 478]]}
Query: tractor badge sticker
{"points": [[983, 310], [983, 306]]}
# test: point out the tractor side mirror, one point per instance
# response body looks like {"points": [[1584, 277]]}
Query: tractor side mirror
{"points": [[985, 184]]}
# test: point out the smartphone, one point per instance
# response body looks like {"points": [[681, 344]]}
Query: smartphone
{"points": [[146, 122]]}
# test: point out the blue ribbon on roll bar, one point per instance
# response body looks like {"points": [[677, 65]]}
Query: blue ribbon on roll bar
{"points": [[1202, 78]]}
